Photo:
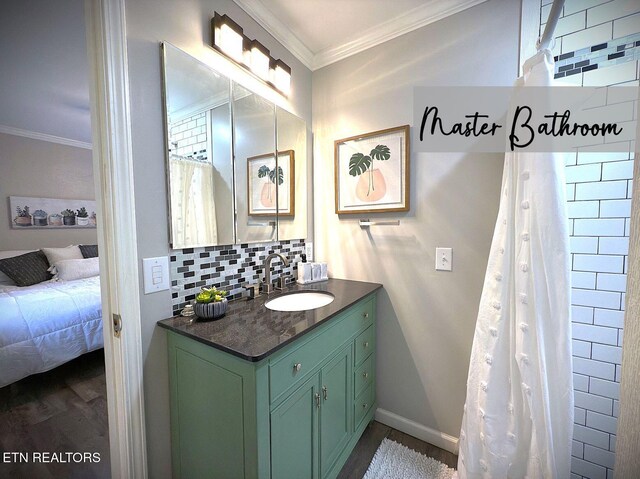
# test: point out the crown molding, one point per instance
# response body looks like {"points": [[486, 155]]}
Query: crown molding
{"points": [[277, 29], [34, 135], [409, 21], [432, 11]]}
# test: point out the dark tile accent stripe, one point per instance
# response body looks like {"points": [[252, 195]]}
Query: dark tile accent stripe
{"points": [[613, 52]]}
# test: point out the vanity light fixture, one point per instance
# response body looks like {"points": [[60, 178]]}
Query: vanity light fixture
{"points": [[260, 60], [228, 39], [282, 77]]}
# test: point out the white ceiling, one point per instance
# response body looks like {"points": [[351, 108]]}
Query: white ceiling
{"points": [[322, 24], [321, 32], [44, 73]]}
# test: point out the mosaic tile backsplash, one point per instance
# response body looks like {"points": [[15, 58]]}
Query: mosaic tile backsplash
{"points": [[227, 267], [603, 55]]}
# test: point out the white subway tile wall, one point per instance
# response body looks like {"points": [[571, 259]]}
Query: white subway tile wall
{"points": [[188, 137], [598, 44]]}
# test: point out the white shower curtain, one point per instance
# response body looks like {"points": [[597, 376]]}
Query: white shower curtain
{"points": [[193, 213], [518, 415]]}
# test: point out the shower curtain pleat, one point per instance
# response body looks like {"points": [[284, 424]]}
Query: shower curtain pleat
{"points": [[518, 415]]}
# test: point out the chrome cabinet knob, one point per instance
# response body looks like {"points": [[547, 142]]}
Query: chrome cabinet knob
{"points": [[297, 367], [365, 375], [365, 405], [365, 315], [366, 344]]}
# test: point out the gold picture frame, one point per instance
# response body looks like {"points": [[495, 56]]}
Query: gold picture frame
{"points": [[261, 186], [372, 172]]}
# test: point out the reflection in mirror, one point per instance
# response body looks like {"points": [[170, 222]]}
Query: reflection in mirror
{"points": [[256, 171], [292, 195], [200, 167]]}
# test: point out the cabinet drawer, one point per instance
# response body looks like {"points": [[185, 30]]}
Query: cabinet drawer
{"points": [[287, 370], [364, 375], [365, 313], [363, 404], [365, 345]]}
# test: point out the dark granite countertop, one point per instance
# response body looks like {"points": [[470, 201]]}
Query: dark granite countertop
{"points": [[252, 332]]}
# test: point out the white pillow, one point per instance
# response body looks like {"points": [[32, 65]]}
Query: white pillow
{"points": [[59, 254], [4, 279], [70, 269]]}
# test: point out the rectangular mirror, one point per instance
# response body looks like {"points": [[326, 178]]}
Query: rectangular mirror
{"points": [[292, 157], [257, 174], [226, 185], [199, 151]]}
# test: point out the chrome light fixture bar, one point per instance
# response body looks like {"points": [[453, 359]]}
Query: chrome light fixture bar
{"points": [[229, 39]]}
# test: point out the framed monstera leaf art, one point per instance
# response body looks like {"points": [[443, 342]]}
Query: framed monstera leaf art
{"points": [[372, 172], [270, 186]]}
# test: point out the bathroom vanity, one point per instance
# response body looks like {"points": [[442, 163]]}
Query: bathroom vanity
{"points": [[273, 394]]}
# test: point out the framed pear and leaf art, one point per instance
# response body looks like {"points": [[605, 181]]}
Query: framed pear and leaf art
{"points": [[271, 187], [372, 172]]}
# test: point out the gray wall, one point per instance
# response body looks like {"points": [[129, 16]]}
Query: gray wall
{"points": [[426, 318], [44, 69], [185, 24], [44, 170]]}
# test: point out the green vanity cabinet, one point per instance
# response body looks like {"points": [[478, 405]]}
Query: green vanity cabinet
{"points": [[295, 414], [294, 434], [335, 410]]}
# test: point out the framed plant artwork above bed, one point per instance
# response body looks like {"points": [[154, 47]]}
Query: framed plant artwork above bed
{"points": [[372, 172], [50, 213]]}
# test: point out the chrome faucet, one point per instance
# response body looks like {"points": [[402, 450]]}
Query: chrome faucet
{"points": [[267, 287]]}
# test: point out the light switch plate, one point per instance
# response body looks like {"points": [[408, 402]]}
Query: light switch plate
{"points": [[156, 274], [443, 259]]}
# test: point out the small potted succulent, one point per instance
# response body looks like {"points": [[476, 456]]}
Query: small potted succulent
{"points": [[39, 218], [68, 217], [82, 217], [24, 217], [55, 220], [211, 303]]}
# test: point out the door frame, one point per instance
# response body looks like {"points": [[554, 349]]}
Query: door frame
{"points": [[119, 279]]}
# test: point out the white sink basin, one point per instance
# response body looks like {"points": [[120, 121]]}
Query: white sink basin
{"points": [[300, 301]]}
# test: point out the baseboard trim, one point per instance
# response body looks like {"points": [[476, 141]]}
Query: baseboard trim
{"points": [[427, 434]]}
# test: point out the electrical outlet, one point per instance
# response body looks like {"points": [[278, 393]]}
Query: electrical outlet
{"points": [[443, 259], [308, 250]]}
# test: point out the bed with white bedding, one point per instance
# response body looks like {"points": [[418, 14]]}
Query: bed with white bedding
{"points": [[47, 324]]}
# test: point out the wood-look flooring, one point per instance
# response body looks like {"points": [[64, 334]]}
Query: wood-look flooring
{"points": [[62, 410], [359, 460], [65, 410]]}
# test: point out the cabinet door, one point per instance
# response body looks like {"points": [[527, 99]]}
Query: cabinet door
{"points": [[335, 419], [294, 434], [207, 416]]}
